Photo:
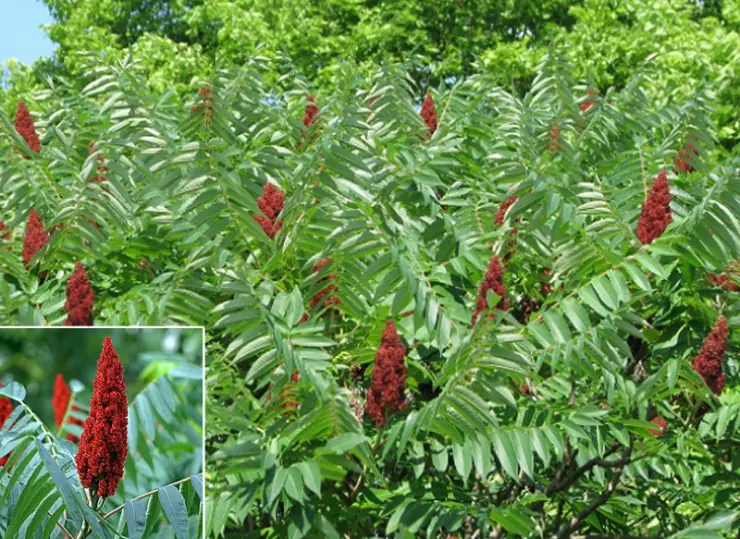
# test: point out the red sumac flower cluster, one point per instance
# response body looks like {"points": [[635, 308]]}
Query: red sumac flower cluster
{"points": [[656, 211], [387, 387], [104, 442], [709, 361]]}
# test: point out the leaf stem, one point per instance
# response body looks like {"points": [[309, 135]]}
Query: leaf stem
{"points": [[117, 509]]}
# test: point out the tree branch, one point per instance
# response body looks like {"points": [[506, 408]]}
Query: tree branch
{"points": [[578, 520]]}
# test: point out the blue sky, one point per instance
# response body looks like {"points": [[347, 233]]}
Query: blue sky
{"points": [[20, 34]]}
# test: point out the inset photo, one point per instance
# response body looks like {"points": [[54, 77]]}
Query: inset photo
{"points": [[101, 432]]}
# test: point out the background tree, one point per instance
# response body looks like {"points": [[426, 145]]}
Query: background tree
{"points": [[688, 44]]}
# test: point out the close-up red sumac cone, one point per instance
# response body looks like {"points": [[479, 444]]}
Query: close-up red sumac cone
{"points": [[35, 237], [104, 442], [309, 117], [60, 403], [656, 210], [5, 410], [271, 203], [493, 280], [709, 361], [388, 384], [80, 298], [429, 114], [25, 128]]}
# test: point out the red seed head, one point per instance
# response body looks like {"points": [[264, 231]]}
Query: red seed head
{"points": [[493, 280], [309, 116], [104, 442], [35, 238], [5, 410], [662, 425], [271, 203], [656, 211], [386, 393], [429, 114], [709, 361], [25, 128], [80, 298], [503, 208]]}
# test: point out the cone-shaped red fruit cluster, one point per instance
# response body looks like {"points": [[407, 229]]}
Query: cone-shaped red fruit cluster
{"points": [[25, 128], [101, 169], [35, 237], [429, 114], [656, 211], [60, 402], [502, 209], [662, 425], [271, 203], [309, 117], [709, 361], [5, 410], [386, 393], [493, 280], [681, 163], [104, 442], [80, 298]]}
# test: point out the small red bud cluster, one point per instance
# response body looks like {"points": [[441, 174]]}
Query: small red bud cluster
{"points": [[60, 402], [102, 169], [5, 410], [656, 211], [206, 96], [588, 104], [503, 208], [429, 114], [684, 155], [493, 280], [80, 298], [25, 128], [309, 118], [709, 361], [326, 291], [545, 286], [104, 442], [387, 387], [662, 425], [554, 142], [271, 203], [4, 232], [35, 237], [724, 280]]}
